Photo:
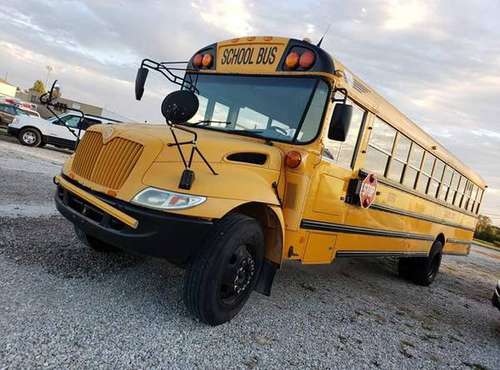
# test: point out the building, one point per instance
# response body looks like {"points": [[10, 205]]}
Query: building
{"points": [[34, 97], [7, 90]]}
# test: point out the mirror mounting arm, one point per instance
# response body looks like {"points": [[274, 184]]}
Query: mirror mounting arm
{"points": [[341, 90], [48, 99]]}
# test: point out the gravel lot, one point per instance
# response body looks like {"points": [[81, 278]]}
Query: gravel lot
{"points": [[63, 305]]}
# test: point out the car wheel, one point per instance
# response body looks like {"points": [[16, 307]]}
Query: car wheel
{"points": [[221, 277], [422, 270], [30, 137], [95, 244]]}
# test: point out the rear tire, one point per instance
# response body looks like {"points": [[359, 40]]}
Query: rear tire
{"points": [[30, 137], [422, 270], [93, 243], [221, 277]]}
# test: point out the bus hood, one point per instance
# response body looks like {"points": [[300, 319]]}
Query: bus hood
{"points": [[216, 147], [246, 167]]}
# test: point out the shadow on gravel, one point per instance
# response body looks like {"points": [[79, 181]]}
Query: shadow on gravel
{"points": [[50, 243]]}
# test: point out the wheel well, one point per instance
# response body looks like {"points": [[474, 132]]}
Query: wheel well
{"points": [[440, 238], [42, 136], [273, 234]]}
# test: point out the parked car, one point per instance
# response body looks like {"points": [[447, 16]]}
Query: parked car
{"points": [[61, 132], [9, 111], [496, 296]]}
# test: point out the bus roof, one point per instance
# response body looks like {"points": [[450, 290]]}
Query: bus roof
{"points": [[369, 98]]}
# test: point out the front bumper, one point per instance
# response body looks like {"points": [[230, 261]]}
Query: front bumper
{"points": [[13, 131], [157, 234]]}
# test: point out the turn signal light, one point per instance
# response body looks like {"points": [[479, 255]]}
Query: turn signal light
{"points": [[293, 159]]}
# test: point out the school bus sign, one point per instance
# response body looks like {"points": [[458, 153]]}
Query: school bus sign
{"points": [[250, 55]]}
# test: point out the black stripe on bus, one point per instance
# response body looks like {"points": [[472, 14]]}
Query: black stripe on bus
{"points": [[349, 229], [380, 254], [398, 211]]}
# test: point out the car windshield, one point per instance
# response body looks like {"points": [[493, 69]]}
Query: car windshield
{"points": [[276, 108]]}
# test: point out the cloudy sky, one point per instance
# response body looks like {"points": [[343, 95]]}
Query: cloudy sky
{"points": [[437, 61]]}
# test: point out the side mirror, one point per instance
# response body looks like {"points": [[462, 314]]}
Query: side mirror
{"points": [[340, 123], [140, 80], [179, 106]]}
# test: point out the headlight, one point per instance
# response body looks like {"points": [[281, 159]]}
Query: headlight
{"points": [[14, 121], [162, 199]]}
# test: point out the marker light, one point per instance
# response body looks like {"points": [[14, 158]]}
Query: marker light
{"points": [[207, 60], [293, 159], [292, 60], [162, 199], [197, 60], [307, 59]]}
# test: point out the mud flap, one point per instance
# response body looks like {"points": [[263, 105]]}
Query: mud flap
{"points": [[266, 277]]}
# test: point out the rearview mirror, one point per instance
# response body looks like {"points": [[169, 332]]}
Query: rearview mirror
{"points": [[179, 106], [340, 123], [140, 80]]}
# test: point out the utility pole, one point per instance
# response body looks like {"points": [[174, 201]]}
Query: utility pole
{"points": [[49, 69]]}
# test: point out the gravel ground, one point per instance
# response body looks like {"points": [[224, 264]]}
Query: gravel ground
{"points": [[63, 305]]}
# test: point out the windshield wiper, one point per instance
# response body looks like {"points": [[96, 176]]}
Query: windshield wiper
{"points": [[207, 122]]}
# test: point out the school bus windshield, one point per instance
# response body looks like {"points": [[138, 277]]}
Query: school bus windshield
{"points": [[286, 109]]}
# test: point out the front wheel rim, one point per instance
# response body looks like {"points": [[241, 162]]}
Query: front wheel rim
{"points": [[29, 137], [238, 276]]}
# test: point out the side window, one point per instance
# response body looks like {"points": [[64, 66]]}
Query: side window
{"points": [[87, 122], [472, 202], [478, 200], [453, 188], [437, 175], [425, 173], [460, 191], [414, 163], [248, 119], [70, 121], [343, 152], [380, 147], [221, 113], [399, 158], [445, 184]]}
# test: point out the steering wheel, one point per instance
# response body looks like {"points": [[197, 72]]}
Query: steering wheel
{"points": [[279, 130]]}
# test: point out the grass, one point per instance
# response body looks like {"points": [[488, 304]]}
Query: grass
{"points": [[482, 243]]}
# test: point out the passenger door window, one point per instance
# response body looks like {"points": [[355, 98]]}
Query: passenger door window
{"points": [[342, 153]]}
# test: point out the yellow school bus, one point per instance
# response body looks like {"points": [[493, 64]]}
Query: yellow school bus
{"points": [[272, 150]]}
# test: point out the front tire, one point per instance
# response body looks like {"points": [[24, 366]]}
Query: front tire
{"points": [[30, 137], [221, 277], [422, 270]]}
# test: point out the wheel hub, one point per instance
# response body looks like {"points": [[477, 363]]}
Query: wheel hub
{"points": [[29, 137], [244, 274]]}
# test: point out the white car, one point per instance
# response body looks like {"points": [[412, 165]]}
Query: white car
{"points": [[61, 132]]}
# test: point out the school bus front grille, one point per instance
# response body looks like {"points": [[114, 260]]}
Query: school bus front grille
{"points": [[107, 164]]}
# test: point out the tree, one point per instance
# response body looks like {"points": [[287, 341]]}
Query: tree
{"points": [[39, 87], [485, 230]]}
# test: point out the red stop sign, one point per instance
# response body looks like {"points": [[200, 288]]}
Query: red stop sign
{"points": [[368, 190]]}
